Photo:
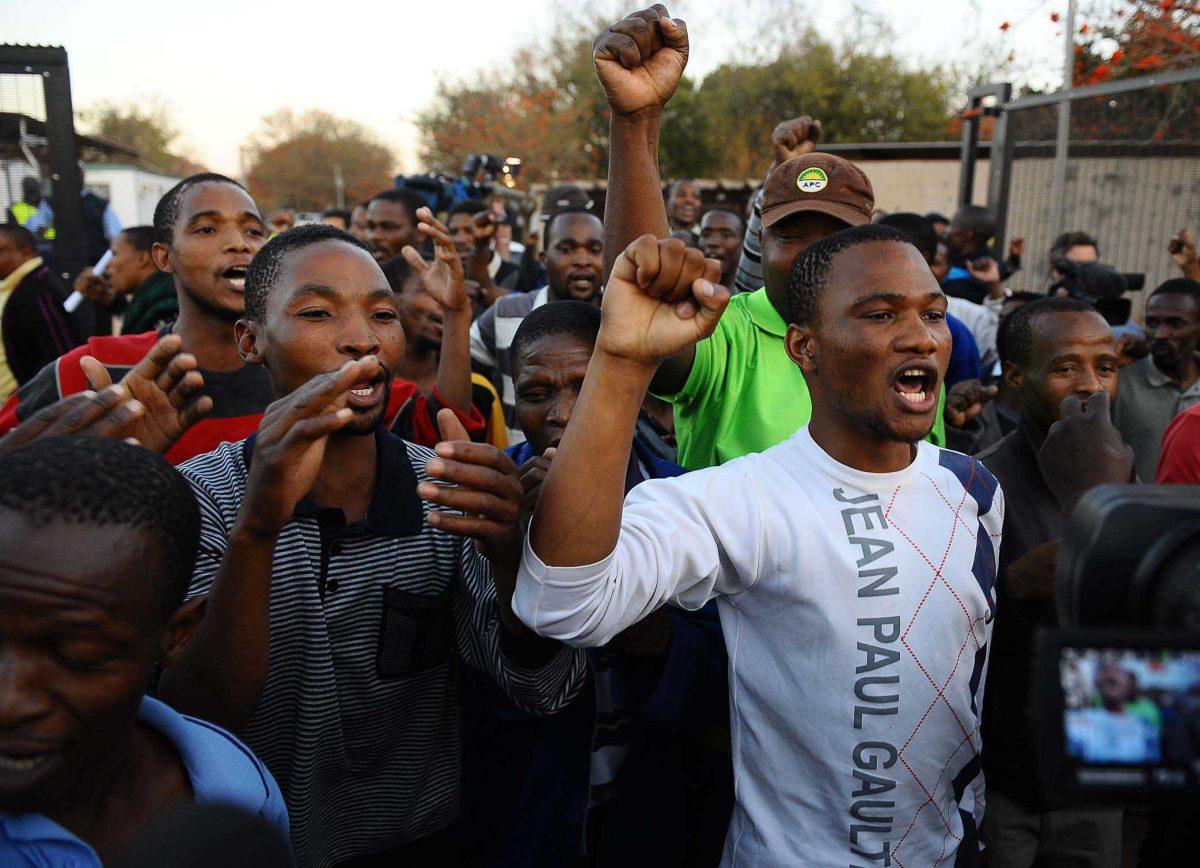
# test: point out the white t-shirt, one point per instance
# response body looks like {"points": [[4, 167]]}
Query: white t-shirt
{"points": [[857, 609]]}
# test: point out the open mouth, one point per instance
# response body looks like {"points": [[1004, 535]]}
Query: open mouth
{"points": [[582, 281], [23, 764], [236, 275], [915, 384], [369, 394]]}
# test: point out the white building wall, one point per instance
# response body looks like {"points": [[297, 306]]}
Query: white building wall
{"points": [[133, 191]]}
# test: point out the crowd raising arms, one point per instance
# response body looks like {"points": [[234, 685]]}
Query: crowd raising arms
{"points": [[364, 593]]}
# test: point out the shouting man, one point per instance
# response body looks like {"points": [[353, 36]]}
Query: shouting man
{"points": [[852, 564]]}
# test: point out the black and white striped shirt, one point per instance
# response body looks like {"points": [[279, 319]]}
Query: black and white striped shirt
{"points": [[359, 719]]}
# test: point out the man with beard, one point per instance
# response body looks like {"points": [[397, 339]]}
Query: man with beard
{"points": [[572, 257], [1156, 389], [339, 608], [852, 564]]}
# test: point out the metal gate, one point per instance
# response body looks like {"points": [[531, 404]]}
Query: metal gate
{"points": [[1120, 161], [37, 137]]}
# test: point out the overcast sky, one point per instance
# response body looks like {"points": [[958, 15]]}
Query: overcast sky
{"points": [[224, 64]]}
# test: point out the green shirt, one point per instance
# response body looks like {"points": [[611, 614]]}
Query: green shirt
{"points": [[744, 394]]}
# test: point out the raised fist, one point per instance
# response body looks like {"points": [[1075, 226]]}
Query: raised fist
{"points": [[795, 138], [966, 400], [1183, 253], [1082, 450], [640, 60], [661, 298]]}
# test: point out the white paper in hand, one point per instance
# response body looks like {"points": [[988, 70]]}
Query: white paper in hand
{"points": [[75, 298]]}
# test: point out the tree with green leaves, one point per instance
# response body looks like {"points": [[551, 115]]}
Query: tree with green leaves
{"points": [[546, 107], [294, 161]]}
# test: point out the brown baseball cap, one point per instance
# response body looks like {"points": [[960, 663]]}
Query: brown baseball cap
{"points": [[818, 182]]}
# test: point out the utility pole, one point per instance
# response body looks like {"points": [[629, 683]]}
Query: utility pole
{"points": [[339, 184]]}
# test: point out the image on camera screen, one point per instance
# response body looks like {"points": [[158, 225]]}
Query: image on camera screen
{"points": [[1131, 706]]}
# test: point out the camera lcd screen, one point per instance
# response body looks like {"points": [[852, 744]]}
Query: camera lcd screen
{"points": [[1130, 707], [1117, 714]]}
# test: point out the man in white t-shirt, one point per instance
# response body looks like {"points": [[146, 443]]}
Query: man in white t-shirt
{"points": [[852, 564]]}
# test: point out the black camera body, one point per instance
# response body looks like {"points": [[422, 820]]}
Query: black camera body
{"points": [[1117, 689]]}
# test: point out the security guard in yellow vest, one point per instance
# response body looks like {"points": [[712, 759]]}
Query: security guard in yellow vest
{"points": [[31, 205]]}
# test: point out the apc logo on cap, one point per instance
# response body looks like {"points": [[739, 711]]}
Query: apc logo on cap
{"points": [[812, 180]]}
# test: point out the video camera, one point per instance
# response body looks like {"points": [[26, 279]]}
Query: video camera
{"points": [[1117, 690], [478, 174], [1100, 285]]}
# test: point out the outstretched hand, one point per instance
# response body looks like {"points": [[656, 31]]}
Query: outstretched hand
{"points": [[290, 445], [443, 279], [107, 413], [661, 298], [640, 60], [481, 484], [167, 383]]}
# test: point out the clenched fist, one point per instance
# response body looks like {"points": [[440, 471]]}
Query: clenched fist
{"points": [[640, 60], [661, 298], [795, 137]]}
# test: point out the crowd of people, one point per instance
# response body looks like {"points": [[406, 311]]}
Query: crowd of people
{"points": [[683, 537]]}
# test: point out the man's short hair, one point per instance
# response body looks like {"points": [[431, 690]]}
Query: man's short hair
{"points": [[679, 182], [1024, 295], [977, 219], [267, 264], [810, 272], [19, 235], [103, 482], [917, 229], [558, 215], [409, 200], [741, 221], [342, 213], [140, 238], [1179, 286], [937, 217], [1014, 342], [465, 206], [1067, 240], [572, 317], [166, 212]]}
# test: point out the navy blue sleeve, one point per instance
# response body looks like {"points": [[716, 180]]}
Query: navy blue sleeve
{"points": [[964, 357], [693, 691]]}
